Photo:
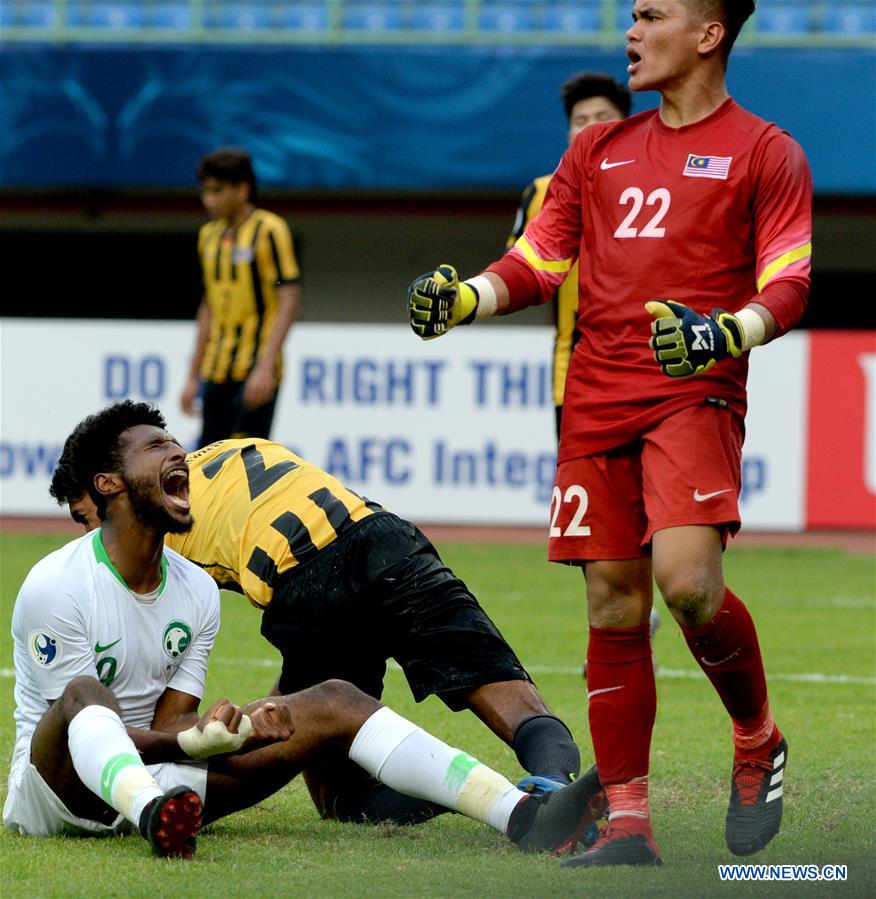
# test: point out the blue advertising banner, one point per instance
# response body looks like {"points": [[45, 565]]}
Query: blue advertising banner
{"points": [[374, 118]]}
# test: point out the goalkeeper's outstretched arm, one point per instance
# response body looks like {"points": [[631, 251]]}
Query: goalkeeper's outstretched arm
{"points": [[438, 300]]}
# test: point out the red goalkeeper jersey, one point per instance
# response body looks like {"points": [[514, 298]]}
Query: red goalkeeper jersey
{"points": [[717, 213]]}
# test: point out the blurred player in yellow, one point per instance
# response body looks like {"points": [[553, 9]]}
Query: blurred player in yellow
{"points": [[251, 298], [344, 585], [588, 98]]}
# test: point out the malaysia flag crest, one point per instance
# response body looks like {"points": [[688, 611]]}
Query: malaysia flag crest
{"points": [[707, 166]]}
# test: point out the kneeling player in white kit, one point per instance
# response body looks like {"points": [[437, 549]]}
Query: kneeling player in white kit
{"points": [[111, 638]]}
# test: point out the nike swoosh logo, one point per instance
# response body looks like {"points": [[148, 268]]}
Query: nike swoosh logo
{"points": [[702, 497], [98, 648], [593, 693], [732, 655], [605, 164]]}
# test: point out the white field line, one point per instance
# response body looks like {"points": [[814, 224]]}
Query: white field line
{"points": [[814, 677], [853, 602]]}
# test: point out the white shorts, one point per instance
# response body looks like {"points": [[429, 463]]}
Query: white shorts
{"points": [[32, 809]]}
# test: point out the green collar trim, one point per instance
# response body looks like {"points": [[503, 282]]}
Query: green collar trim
{"points": [[100, 554]]}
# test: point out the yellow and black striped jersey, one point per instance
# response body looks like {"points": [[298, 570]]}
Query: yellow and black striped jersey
{"points": [[259, 511], [565, 299], [242, 270]]}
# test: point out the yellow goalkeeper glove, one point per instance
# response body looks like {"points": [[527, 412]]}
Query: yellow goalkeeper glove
{"points": [[438, 300], [686, 343]]}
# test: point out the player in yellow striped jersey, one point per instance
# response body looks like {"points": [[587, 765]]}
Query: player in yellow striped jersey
{"points": [[251, 298], [587, 98], [345, 585], [262, 511]]}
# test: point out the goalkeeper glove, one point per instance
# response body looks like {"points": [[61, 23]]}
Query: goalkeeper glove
{"points": [[438, 300], [686, 343]]}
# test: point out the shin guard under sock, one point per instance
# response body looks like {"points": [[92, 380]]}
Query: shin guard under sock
{"points": [[622, 701]]}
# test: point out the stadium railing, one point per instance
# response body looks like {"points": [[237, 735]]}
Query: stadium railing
{"points": [[777, 23]]}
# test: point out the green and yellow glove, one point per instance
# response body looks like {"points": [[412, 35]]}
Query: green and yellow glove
{"points": [[438, 300], [686, 343]]}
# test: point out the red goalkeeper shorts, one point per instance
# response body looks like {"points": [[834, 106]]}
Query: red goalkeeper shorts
{"points": [[685, 471]]}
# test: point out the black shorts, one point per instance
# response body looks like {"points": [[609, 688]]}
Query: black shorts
{"points": [[381, 591], [226, 416]]}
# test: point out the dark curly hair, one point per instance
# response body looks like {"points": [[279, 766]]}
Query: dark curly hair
{"points": [[230, 165], [65, 487], [95, 446], [585, 85]]}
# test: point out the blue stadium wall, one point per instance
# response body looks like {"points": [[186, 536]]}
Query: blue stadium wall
{"points": [[373, 118]]}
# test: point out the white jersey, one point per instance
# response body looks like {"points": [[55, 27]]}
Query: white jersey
{"points": [[76, 616]]}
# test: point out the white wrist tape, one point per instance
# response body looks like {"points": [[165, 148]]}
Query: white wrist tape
{"points": [[214, 739], [753, 328], [486, 296]]}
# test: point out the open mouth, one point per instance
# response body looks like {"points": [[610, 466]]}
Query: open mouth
{"points": [[175, 485], [634, 59]]}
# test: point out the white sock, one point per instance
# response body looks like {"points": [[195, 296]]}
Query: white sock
{"points": [[414, 762], [108, 763]]}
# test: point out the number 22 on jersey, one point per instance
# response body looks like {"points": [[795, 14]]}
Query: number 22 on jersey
{"points": [[643, 224], [575, 493]]}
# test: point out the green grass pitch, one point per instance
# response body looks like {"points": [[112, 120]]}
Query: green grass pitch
{"points": [[816, 615]]}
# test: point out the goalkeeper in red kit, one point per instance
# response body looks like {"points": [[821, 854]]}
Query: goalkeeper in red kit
{"points": [[693, 226]]}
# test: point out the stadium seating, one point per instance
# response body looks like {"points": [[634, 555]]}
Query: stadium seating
{"points": [[849, 18], [572, 18], [372, 16], [782, 18], [176, 16], [35, 14], [505, 17], [303, 16], [105, 15], [238, 16], [437, 17], [794, 22]]}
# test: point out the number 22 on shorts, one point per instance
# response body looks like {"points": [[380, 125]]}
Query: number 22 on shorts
{"points": [[575, 493]]}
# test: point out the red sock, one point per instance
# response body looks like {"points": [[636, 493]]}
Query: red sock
{"points": [[628, 805], [754, 736], [728, 652], [622, 701]]}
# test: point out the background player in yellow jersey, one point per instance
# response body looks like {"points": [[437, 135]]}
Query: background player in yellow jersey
{"points": [[251, 298], [345, 585], [587, 98]]}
